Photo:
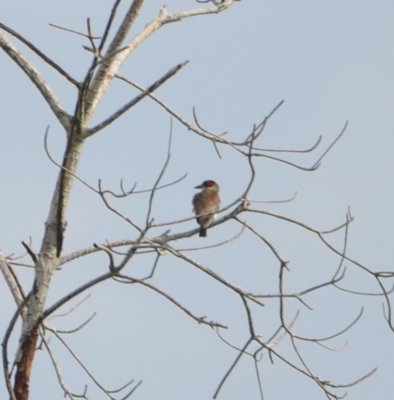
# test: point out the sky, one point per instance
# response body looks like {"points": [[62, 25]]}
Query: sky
{"points": [[331, 62]]}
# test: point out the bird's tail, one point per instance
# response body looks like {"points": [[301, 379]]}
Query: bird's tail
{"points": [[203, 232]]}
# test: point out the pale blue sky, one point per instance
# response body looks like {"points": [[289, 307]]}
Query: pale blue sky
{"points": [[331, 61]]}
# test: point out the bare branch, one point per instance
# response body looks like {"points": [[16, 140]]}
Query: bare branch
{"points": [[56, 367], [76, 329], [111, 66], [109, 24], [148, 220], [62, 28], [38, 81], [40, 54], [317, 163], [232, 366], [30, 252], [201, 320], [126, 193], [137, 99], [106, 391], [12, 280]]}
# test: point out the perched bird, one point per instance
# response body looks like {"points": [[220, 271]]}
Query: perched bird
{"points": [[206, 204]]}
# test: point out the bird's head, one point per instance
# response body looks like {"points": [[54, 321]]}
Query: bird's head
{"points": [[208, 184]]}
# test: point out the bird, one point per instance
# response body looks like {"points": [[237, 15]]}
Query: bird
{"points": [[205, 204]]}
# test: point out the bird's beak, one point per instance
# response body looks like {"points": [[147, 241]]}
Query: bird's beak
{"points": [[199, 186]]}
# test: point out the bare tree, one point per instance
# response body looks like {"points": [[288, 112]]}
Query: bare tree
{"points": [[150, 237]]}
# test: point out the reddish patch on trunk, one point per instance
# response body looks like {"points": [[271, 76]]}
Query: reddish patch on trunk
{"points": [[22, 376]]}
